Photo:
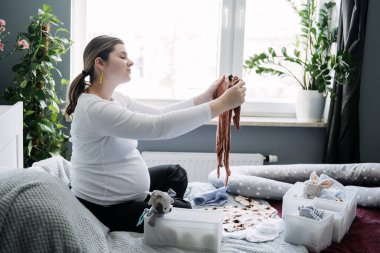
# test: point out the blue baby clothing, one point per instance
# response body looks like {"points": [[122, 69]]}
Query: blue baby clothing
{"points": [[217, 197]]}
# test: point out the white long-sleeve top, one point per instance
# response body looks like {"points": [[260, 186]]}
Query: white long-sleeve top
{"points": [[107, 168]]}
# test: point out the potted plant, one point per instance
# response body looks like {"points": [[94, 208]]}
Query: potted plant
{"points": [[314, 54], [35, 86]]}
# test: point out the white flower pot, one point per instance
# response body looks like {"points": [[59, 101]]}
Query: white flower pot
{"points": [[310, 105]]}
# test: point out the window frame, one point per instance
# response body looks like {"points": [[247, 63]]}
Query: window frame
{"points": [[230, 56]]}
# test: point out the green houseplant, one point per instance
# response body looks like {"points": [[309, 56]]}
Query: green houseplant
{"points": [[35, 87], [312, 53]]}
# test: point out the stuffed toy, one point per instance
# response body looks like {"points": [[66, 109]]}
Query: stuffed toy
{"points": [[161, 202], [313, 186]]}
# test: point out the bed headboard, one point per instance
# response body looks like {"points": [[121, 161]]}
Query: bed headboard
{"points": [[11, 136]]}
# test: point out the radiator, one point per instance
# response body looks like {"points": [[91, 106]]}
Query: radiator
{"points": [[199, 165]]}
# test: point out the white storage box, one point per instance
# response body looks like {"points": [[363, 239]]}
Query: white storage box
{"points": [[293, 198], [313, 234], [187, 229], [344, 212], [353, 195]]}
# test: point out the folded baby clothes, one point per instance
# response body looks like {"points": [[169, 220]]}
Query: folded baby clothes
{"points": [[311, 212], [335, 192], [217, 197], [267, 230]]}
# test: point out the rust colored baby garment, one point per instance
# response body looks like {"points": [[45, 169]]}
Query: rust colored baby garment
{"points": [[223, 133]]}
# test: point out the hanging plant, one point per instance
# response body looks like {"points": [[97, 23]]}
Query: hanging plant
{"points": [[35, 86]]}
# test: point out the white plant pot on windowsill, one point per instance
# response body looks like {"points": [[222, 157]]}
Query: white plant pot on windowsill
{"points": [[309, 106]]}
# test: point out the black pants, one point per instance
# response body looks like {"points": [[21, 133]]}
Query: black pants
{"points": [[124, 216]]}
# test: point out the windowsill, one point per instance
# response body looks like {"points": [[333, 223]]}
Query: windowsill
{"points": [[273, 122]]}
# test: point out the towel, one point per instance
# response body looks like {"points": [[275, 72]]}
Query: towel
{"points": [[217, 197]]}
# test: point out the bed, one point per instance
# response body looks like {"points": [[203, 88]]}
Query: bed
{"points": [[38, 213]]}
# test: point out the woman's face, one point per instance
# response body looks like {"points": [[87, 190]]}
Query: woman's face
{"points": [[118, 67]]}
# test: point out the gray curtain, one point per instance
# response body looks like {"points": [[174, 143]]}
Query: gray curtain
{"points": [[342, 139]]}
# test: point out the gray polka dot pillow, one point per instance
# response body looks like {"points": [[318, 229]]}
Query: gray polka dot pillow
{"points": [[242, 183], [272, 181]]}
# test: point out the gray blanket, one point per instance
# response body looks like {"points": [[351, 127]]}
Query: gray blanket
{"points": [[38, 213]]}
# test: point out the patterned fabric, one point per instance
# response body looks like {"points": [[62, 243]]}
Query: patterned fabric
{"points": [[238, 218]]}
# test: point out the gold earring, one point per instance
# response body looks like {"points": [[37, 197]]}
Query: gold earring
{"points": [[101, 78]]}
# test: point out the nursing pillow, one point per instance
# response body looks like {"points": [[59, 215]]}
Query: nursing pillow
{"points": [[243, 182], [272, 181]]}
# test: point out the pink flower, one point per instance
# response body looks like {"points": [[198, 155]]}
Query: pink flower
{"points": [[1, 46], [2, 24], [23, 44]]}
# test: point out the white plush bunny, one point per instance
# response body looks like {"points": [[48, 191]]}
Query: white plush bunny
{"points": [[313, 186]]}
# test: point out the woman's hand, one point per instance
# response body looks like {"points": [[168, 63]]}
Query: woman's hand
{"points": [[208, 95], [213, 87], [231, 98], [234, 96]]}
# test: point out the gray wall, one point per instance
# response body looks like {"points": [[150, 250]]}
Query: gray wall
{"points": [[291, 144], [17, 13], [370, 90]]}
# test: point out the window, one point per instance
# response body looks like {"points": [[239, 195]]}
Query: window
{"points": [[180, 46], [173, 44], [275, 27]]}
